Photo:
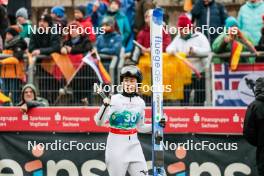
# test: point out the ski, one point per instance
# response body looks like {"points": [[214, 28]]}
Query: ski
{"points": [[157, 94]]}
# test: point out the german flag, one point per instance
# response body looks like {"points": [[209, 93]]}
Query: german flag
{"points": [[59, 65], [98, 68], [236, 51]]}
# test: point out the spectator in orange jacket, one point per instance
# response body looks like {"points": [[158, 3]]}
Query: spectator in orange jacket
{"points": [[12, 68]]}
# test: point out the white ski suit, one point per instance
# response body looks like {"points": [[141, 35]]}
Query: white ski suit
{"points": [[123, 150]]}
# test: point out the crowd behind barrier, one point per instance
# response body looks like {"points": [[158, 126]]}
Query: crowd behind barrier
{"points": [[81, 90]]}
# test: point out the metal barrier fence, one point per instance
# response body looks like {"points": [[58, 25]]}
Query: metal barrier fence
{"points": [[81, 89]]}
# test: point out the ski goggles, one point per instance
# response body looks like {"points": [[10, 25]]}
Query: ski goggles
{"points": [[130, 69]]}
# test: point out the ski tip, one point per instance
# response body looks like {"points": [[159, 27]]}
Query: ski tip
{"points": [[158, 16]]}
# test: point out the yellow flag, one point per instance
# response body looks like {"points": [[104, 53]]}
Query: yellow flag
{"points": [[4, 98], [187, 6], [175, 76]]}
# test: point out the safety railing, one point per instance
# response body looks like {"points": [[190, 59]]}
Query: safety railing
{"points": [[115, 65]]}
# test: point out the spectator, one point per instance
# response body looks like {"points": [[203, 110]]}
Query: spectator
{"points": [[3, 21], [15, 42], [249, 19], [121, 20], [47, 42], [143, 38], [260, 46], [253, 125], [14, 5], [224, 42], [110, 42], [96, 10], [22, 20], [207, 14], [192, 43], [12, 70], [141, 7], [58, 16], [30, 100], [128, 9], [144, 35], [80, 16], [76, 43]]}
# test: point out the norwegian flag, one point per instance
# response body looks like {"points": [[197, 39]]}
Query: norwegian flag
{"points": [[234, 88]]}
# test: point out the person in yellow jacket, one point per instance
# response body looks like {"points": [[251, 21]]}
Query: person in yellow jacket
{"points": [[12, 68]]}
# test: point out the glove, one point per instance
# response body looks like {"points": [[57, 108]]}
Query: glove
{"points": [[106, 101], [251, 60], [162, 122]]}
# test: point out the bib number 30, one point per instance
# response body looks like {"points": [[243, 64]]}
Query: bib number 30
{"points": [[130, 118]]}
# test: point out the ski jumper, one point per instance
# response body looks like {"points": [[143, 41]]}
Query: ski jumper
{"points": [[123, 150]]}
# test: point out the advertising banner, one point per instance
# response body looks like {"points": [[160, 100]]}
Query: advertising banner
{"points": [[179, 120], [82, 154]]}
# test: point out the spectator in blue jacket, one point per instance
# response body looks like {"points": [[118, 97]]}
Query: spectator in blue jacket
{"points": [[96, 9], [208, 13], [58, 16], [128, 8], [110, 42], [250, 19], [122, 22]]}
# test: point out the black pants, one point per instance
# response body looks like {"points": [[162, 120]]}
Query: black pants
{"points": [[13, 86], [198, 88], [260, 160]]}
